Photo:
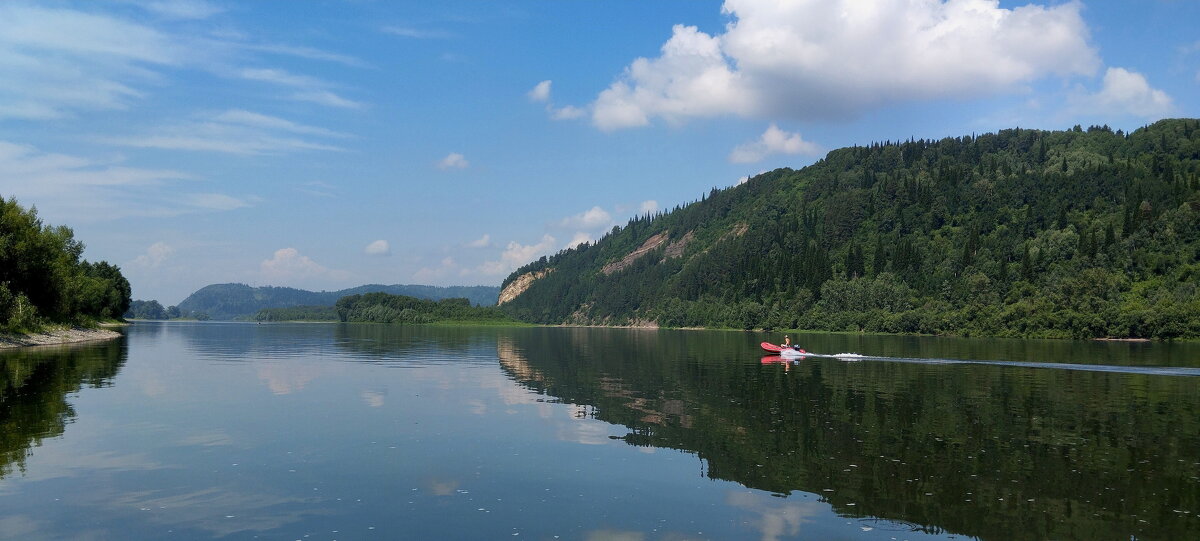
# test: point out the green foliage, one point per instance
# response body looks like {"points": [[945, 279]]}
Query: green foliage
{"points": [[1018, 233], [43, 280], [297, 313], [402, 309]]}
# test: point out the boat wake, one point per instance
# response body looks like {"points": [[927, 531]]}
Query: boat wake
{"points": [[1147, 370]]}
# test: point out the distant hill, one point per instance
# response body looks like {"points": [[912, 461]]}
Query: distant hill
{"points": [[1077, 233], [231, 301]]}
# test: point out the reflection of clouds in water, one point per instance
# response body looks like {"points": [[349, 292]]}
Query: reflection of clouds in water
{"points": [[477, 407], [614, 535], [776, 518], [208, 439], [152, 386], [287, 378], [584, 431], [220, 511], [18, 527], [441, 487], [374, 399]]}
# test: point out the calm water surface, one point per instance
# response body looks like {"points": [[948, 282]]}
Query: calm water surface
{"points": [[325, 431]]}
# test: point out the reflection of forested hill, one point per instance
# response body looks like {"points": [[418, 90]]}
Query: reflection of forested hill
{"points": [[994, 452], [34, 385], [229, 301]]}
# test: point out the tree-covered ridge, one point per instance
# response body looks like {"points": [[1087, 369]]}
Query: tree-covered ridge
{"points": [[234, 301], [43, 279], [297, 313], [386, 308], [1077, 233]]}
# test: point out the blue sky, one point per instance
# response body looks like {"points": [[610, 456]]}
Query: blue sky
{"points": [[328, 144]]}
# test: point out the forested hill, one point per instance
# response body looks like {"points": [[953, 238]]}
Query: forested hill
{"points": [[1077, 233], [230, 301]]}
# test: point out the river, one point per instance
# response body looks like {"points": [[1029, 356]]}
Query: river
{"points": [[215, 430]]}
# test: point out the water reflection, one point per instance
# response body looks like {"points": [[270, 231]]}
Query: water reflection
{"points": [[34, 384], [997, 452]]}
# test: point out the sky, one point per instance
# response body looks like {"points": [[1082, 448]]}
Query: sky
{"points": [[328, 144]]}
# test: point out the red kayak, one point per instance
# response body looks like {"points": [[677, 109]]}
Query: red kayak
{"points": [[773, 348]]}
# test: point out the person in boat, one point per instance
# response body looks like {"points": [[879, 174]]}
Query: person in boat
{"points": [[787, 342]]}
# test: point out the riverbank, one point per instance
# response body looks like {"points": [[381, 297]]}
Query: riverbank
{"points": [[56, 336]]}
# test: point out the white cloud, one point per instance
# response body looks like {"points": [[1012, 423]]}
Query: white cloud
{"points": [[1124, 92], [648, 206], [589, 219], [481, 242], [379, 247], [579, 238], [772, 141], [810, 59], [540, 92], [454, 160], [569, 112], [154, 256], [517, 254], [289, 266]]}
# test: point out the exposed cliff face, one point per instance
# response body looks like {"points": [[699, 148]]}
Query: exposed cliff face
{"points": [[650, 244], [518, 286]]}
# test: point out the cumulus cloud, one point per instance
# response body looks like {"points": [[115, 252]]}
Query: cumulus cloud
{"points": [[517, 254], [454, 160], [648, 205], [772, 141], [289, 266], [154, 256], [813, 59], [481, 242], [540, 92], [379, 247], [588, 219], [579, 238], [1125, 92], [447, 267]]}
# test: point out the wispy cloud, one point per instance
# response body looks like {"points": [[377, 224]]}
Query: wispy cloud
{"points": [[57, 62], [235, 131], [183, 9], [417, 33], [75, 188], [155, 255]]}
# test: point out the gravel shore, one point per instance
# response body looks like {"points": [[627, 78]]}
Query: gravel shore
{"points": [[56, 336]]}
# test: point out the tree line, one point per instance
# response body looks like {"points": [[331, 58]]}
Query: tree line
{"points": [[1076, 233], [402, 309], [45, 281]]}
